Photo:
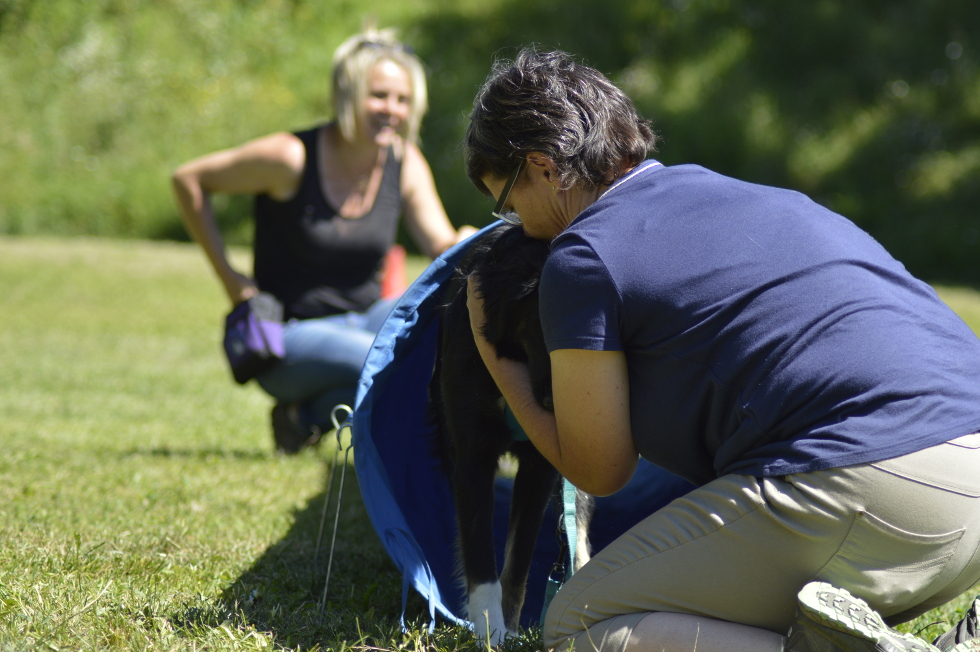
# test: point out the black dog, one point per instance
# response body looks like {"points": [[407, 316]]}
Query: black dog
{"points": [[473, 433]]}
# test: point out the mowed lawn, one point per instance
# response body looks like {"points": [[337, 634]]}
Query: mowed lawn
{"points": [[141, 506]]}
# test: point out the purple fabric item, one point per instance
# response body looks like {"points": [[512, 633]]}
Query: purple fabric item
{"points": [[253, 336]]}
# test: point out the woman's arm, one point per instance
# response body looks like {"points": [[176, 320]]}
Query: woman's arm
{"points": [[425, 216], [272, 165], [588, 438]]}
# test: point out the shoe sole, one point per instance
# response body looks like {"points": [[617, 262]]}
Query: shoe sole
{"points": [[967, 630], [973, 645], [289, 440], [850, 624]]}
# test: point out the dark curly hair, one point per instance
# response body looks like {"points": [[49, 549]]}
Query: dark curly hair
{"points": [[545, 102]]}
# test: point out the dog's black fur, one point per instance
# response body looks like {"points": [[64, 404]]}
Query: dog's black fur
{"points": [[472, 429]]}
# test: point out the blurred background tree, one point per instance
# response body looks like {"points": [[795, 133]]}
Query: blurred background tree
{"points": [[871, 107]]}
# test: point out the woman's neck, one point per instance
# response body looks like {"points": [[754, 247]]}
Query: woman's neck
{"points": [[358, 157], [350, 173]]}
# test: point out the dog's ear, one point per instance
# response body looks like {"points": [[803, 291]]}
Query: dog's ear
{"points": [[475, 256], [509, 275]]}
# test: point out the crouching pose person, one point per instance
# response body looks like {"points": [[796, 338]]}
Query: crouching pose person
{"points": [[825, 402], [327, 204]]}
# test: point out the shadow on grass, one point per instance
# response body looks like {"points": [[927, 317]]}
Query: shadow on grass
{"points": [[282, 590], [197, 453]]}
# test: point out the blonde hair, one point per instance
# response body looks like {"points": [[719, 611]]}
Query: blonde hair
{"points": [[353, 61]]}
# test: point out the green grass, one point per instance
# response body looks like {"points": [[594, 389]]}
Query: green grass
{"points": [[141, 507]]}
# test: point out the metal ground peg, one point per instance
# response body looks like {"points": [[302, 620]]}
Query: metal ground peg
{"points": [[339, 426]]}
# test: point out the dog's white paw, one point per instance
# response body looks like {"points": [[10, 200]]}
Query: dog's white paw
{"points": [[483, 607]]}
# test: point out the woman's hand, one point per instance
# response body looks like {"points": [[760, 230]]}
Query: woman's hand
{"points": [[239, 287], [464, 232], [512, 377], [514, 381], [588, 437]]}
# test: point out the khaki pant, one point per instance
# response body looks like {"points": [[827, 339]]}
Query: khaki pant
{"points": [[903, 534]]}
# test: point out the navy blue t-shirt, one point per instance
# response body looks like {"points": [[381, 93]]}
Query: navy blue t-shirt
{"points": [[764, 334]]}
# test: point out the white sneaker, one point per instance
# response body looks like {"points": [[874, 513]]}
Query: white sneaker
{"points": [[829, 619]]}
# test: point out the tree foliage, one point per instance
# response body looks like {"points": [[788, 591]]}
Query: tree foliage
{"points": [[872, 108]]}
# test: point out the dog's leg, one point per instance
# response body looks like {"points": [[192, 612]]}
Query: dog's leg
{"points": [[532, 490], [478, 435], [483, 605], [473, 489]]}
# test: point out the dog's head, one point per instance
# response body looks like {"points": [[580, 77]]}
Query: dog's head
{"points": [[509, 274]]}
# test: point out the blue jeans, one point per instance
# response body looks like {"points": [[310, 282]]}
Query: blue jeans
{"points": [[323, 361]]}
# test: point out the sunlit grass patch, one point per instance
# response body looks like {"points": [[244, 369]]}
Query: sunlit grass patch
{"points": [[141, 506]]}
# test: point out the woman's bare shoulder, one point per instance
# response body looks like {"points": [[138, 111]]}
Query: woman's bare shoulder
{"points": [[270, 164], [282, 148]]}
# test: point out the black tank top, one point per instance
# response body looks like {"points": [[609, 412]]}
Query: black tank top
{"points": [[314, 261]]}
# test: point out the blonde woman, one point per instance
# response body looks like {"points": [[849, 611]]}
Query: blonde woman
{"points": [[327, 204]]}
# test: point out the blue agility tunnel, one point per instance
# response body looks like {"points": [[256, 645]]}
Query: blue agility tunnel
{"points": [[406, 493]]}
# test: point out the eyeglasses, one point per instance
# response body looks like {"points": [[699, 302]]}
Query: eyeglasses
{"points": [[509, 216]]}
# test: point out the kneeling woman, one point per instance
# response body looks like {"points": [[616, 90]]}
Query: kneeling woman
{"points": [[753, 342]]}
